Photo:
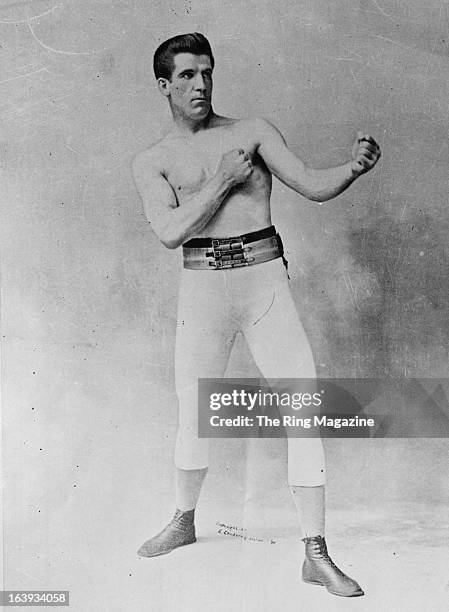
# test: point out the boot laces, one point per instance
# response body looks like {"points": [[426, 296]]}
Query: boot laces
{"points": [[320, 548]]}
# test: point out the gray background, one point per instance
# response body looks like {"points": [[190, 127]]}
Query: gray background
{"points": [[89, 295]]}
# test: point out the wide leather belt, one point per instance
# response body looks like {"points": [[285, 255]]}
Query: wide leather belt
{"points": [[232, 252]]}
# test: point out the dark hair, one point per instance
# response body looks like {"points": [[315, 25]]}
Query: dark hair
{"points": [[194, 42]]}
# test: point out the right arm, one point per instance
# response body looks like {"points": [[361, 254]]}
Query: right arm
{"points": [[175, 224]]}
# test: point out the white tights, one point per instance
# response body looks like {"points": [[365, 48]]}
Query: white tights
{"points": [[213, 306]]}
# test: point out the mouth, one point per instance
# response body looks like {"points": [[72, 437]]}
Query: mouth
{"points": [[199, 100]]}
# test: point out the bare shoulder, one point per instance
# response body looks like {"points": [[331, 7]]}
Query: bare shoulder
{"points": [[147, 159], [151, 159], [247, 124], [258, 128]]}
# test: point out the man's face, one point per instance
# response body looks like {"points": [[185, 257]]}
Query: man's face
{"points": [[190, 88]]}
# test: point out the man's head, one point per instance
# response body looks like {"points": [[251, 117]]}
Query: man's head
{"points": [[194, 43], [183, 68]]}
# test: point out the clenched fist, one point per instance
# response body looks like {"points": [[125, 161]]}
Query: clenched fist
{"points": [[236, 166], [365, 153]]}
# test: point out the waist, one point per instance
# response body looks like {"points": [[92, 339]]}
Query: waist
{"points": [[232, 252]]}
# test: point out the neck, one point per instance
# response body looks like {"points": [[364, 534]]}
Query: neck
{"points": [[186, 126]]}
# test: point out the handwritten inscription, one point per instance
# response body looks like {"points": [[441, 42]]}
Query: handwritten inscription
{"points": [[240, 532]]}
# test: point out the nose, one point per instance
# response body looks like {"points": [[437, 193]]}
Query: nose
{"points": [[200, 84]]}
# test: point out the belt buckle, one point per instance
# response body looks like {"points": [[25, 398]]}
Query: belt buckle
{"points": [[225, 251]]}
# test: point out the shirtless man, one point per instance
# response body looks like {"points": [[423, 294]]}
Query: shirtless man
{"points": [[207, 181]]}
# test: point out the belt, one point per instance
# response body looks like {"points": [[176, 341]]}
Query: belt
{"points": [[221, 253], [267, 232]]}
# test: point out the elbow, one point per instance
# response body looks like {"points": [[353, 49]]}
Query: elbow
{"points": [[321, 196], [171, 243], [170, 239], [321, 199], [316, 196], [314, 189]]}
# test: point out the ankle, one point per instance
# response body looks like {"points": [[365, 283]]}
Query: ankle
{"points": [[184, 517], [317, 537]]}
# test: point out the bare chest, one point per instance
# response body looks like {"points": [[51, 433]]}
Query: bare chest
{"points": [[190, 166], [192, 163]]}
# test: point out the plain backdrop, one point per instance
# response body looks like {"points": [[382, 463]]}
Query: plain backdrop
{"points": [[88, 294]]}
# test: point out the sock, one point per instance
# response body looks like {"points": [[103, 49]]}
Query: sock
{"points": [[309, 502], [188, 487]]}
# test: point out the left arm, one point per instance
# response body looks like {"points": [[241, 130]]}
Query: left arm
{"points": [[316, 185]]}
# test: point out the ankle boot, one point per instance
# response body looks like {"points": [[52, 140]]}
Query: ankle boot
{"points": [[179, 532], [318, 568]]}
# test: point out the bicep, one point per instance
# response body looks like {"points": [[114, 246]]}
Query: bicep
{"points": [[157, 194], [284, 164]]}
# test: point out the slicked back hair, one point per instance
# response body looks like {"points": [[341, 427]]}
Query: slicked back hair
{"points": [[195, 43]]}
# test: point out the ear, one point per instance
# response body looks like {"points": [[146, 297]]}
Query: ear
{"points": [[164, 86]]}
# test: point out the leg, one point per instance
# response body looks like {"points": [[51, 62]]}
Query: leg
{"points": [[310, 504], [281, 350], [204, 340], [188, 487]]}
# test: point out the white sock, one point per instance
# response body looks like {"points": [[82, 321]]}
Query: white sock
{"points": [[310, 502], [188, 487]]}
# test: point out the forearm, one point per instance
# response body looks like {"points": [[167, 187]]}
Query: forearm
{"points": [[325, 184], [194, 213], [313, 184]]}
